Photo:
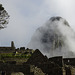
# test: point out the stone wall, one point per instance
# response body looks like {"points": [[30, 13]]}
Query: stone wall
{"points": [[10, 68], [58, 60], [38, 64], [37, 58], [6, 50], [51, 66], [69, 61]]}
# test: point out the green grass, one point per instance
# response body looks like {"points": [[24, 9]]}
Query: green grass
{"points": [[11, 55]]}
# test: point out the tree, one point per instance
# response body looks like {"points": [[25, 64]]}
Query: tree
{"points": [[4, 17]]}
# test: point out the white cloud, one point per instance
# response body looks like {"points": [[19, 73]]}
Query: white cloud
{"points": [[63, 8], [27, 15]]}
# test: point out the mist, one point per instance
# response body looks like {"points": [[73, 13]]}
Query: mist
{"points": [[54, 38]]}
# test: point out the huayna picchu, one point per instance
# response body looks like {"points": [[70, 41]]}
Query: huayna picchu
{"points": [[54, 38]]}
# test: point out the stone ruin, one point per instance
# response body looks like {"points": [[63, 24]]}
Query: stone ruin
{"points": [[38, 64], [12, 49], [53, 66], [48, 67], [9, 49]]}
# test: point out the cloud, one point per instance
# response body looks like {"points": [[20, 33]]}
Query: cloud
{"points": [[62, 8], [54, 38], [23, 21], [27, 15]]}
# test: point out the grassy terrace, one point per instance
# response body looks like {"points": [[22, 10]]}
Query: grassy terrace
{"points": [[19, 57], [11, 55]]}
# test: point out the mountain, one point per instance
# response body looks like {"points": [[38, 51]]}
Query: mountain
{"points": [[54, 38]]}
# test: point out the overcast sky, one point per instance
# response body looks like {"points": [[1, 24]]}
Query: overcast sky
{"points": [[27, 15]]}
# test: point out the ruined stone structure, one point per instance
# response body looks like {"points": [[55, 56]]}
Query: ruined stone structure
{"points": [[53, 66], [37, 64], [42, 62], [26, 69], [12, 49], [69, 61], [8, 49], [37, 58]]}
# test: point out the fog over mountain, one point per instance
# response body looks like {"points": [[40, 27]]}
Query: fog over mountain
{"points": [[54, 38]]}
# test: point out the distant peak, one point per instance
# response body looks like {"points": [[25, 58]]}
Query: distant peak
{"points": [[55, 18], [58, 18]]}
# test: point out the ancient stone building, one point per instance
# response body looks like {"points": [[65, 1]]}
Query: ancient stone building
{"points": [[42, 62], [25, 69], [58, 60], [53, 66], [69, 61], [9, 49], [36, 58], [37, 64]]}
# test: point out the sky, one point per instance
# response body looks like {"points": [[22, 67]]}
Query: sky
{"points": [[27, 15]]}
